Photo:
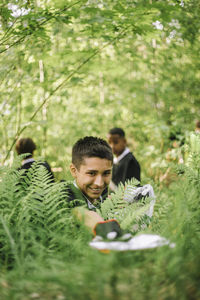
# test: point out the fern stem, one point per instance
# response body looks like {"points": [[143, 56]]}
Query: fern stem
{"points": [[11, 241]]}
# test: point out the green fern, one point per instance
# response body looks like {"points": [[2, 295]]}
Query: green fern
{"points": [[33, 209], [130, 216]]}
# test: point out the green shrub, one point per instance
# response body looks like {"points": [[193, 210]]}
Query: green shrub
{"points": [[45, 254]]}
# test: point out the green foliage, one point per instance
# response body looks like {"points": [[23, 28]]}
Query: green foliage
{"points": [[140, 72], [45, 254], [130, 216], [75, 68], [32, 210]]}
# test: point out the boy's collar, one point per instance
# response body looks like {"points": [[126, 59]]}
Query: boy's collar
{"points": [[124, 153], [90, 205], [27, 160]]}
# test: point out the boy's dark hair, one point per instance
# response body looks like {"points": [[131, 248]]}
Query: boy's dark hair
{"points": [[117, 130], [90, 146], [25, 145], [197, 124], [176, 134]]}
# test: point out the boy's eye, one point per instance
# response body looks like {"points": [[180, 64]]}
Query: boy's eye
{"points": [[91, 173], [107, 173]]}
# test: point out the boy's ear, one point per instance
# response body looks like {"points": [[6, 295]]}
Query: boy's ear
{"points": [[73, 170]]}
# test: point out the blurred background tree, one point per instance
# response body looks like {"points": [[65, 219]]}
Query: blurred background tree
{"points": [[76, 68]]}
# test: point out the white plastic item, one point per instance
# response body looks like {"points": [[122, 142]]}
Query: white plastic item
{"points": [[139, 242]]}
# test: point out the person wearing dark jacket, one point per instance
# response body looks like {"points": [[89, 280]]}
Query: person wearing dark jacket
{"points": [[125, 164], [27, 146]]}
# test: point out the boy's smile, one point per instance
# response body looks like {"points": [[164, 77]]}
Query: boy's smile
{"points": [[93, 176]]}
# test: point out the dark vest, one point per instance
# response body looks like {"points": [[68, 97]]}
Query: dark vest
{"points": [[127, 168], [28, 165]]}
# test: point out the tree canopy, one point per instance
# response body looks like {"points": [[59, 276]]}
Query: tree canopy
{"points": [[74, 68]]}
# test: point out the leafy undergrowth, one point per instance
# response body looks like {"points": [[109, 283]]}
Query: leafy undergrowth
{"points": [[45, 253]]}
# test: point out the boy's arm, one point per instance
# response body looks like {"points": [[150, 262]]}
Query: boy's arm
{"points": [[97, 226], [88, 217]]}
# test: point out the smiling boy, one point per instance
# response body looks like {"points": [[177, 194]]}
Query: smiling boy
{"points": [[91, 168]]}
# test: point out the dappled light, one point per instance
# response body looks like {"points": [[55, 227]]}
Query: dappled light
{"points": [[75, 68]]}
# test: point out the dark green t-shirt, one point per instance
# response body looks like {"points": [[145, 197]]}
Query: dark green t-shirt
{"points": [[77, 198]]}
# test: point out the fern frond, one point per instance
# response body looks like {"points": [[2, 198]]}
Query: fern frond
{"points": [[33, 210], [127, 214]]}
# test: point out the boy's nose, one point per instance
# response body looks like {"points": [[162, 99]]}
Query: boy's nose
{"points": [[98, 180]]}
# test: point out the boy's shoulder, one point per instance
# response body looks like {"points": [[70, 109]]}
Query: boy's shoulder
{"points": [[128, 157], [76, 198], [74, 195], [73, 191]]}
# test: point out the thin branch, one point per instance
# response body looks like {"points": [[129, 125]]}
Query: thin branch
{"points": [[7, 73], [61, 84], [21, 39], [5, 34], [10, 97]]}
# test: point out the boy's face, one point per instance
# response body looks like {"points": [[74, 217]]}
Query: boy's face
{"points": [[93, 176], [117, 143]]}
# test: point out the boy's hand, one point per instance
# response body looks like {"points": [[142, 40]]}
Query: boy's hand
{"points": [[87, 217]]}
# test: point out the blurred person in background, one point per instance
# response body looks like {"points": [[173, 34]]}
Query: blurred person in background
{"points": [[125, 164], [197, 127], [27, 146]]}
